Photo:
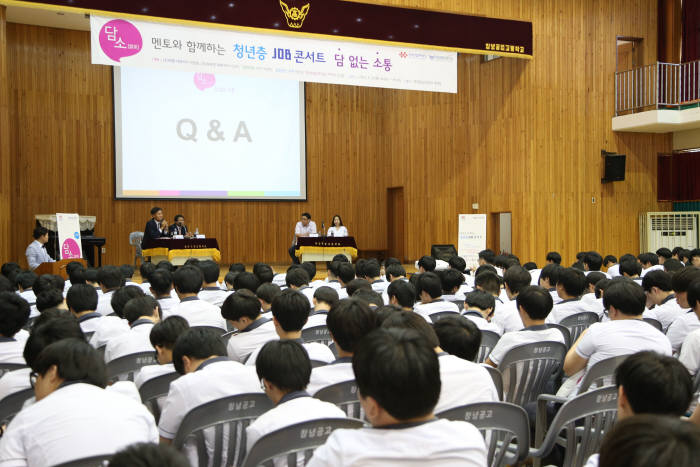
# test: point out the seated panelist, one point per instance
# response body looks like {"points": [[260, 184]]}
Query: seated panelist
{"points": [[156, 228], [179, 227], [337, 229]]}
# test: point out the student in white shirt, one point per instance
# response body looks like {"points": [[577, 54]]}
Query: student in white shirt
{"points": [[506, 316], [394, 272], [611, 266], [592, 262], [324, 298], [631, 269], [337, 229], [290, 311], [82, 301], [161, 287], [163, 336], [211, 292], [687, 322], [534, 304], [73, 416], [694, 257], [426, 264], [589, 298], [304, 228], [298, 279], [459, 264], [429, 292], [451, 281], [109, 327], [649, 262], [570, 287], [658, 289], [245, 280], [263, 272], [266, 293], [625, 334], [332, 276], [14, 311], [478, 308], [284, 368], [188, 281], [24, 282], [398, 377], [242, 310], [690, 352], [371, 273], [110, 279], [346, 274], [141, 313], [146, 269], [549, 277], [402, 293], [127, 271]]}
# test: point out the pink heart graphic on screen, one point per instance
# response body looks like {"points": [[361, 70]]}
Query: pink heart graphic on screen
{"points": [[204, 80], [70, 249], [119, 38]]}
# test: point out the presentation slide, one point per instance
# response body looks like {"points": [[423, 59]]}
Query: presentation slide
{"points": [[181, 135]]}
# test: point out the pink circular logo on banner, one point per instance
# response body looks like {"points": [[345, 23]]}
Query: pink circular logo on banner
{"points": [[70, 249], [119, 38], [204, 80]]}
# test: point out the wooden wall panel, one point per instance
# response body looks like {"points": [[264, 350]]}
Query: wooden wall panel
{"points": [[5, 178]]}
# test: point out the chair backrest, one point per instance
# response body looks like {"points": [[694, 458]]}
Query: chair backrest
{"points": [[318, 363], [228, 416], [88, 335], [333, 349], [564, 331], [123, 368], [459, 303], [94, 461], [345, 395], [135, 239], [227, 337], [527, 368], [585, 419], [11, 404], [155, 388], [497, 378], [579, 322], [297, 440], [489, 339], [601, 374], [219, 331], [654, 322], [5, 367], [438, 315], [501, 424], [319, 334]]}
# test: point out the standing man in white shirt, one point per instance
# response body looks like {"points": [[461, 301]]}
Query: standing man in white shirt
{"points": [[36, 251], [304, 228], [398, 377], [14, 311], [242, 310], [188, 282]]}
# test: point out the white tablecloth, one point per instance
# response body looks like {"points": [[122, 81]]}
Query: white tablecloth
{"points": [[48, 221]]}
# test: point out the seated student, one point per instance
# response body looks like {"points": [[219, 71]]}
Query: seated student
{"points": [[611, 266], [426, 264], [398, 377], [694, 257], [332, 276], [631, 269], [357, 284], [161, 287], [624, 334], [687, 322], [463, 381], [534, 304], [324, 298], [346, 274], [149, 455], [373, 275], [69, 378], [402, 294], [290, 311], [228, 281], [109, 327], [459, 264], [478, 307], [690, 352], [51, 299], [82, 302], [90, 279], [263, 272], [429, 292], [549, 277], [208, 374], [451, 281], [188, 281], [284, 368], [242, 310], [348, 322], [570, 287], [298, 279], [163, 336], [127, 271], [141, 314], [663, 254], [589, 297], [394, 272], [658, 289], [24, 281], [14, 314], [372, 298], [211, 292], [592, 262], [146, 269], [458, 336], [266, 293], [506, 315], [246, 280], [672, 265], [110, 279], [649, 262]]}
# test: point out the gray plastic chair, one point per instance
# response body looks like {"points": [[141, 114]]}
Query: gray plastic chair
{"points": [[654, 322], [601, 374], [7, 367], [319, 334], [135, 239], [11, 404], [489, 339], [230, 415], [123, 368], [88, 335], [296, 440], [155, 388], [497, 378], [564, 331], [584, 420], [578, 323], [214, 329], [501, 424], [527, 368], [345, 395], [459, 303], [438, 315], [94, 461]]}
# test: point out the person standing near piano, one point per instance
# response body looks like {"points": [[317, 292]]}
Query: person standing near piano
{"points": [[179, 227], [156, 228]]}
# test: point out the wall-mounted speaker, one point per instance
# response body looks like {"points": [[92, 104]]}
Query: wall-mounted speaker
{"points": [[614, 167]]}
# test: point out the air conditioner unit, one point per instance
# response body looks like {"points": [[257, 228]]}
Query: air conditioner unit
{"points": [[669, 230]]}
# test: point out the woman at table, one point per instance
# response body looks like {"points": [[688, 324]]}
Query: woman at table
{"points": [[337, 229]]}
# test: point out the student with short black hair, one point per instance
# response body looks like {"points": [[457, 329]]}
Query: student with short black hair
{"points": [[298, 279], [161, 287], [142, 314], [690, 352], [488, 281], [429, 292], [246, 280], [24, 281], [284, 369], [694, 257], [631, 269], [188, 282], [402, 294], [479, 307], [14, 314], [149, 455], [109, 279], [660, 296], [663, 254], [571, 285], [398, 377], [458, 336], [51, 299], [264, 273], [242, 310], [146, 269], [589, 298], [162, 337], [395, 272], [324, 298], [451, 281], [266, 293], [211, 292], [357, 284], [346, 273], [426, 264], [486, 257], [69, 378], [553, 257], [310, 268], [332, 278], [506, 315], [611, 266], [111, 326], [592, 261], [82, 302], [688, 322]]}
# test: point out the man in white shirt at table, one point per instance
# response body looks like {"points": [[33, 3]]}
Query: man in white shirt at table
{"points": [[36, 252], [304, 228]]}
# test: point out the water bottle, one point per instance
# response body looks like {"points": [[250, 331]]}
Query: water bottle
{"points": [[196, 231]]}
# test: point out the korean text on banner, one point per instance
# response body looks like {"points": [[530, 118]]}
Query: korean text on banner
{"points": [[69, 235], [472, 237], [119, 42]]}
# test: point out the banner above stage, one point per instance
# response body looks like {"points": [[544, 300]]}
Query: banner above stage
{"points": [[209, 51]]}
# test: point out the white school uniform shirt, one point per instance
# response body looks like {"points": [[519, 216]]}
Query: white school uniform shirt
{"points": [[280, 279], [341, 231], [437, 443], [213, 295], [148, 372], [316, 351], [593, 303], [167, 304], [316, 318], [607, 276], [90, 322], [294, 407], [436, 306], [555, 296], [104, 303], [342, 293], [665, 312], [14, 381], [241, 345], [482, 323], [29, 296], [535, 276], [689, 357], [215, 378], [458, 297], [11, 350], [308, 292], [98, 421], [614, 270], [463, 382], [656, 267], [506, 315], [108, 327], [337, 371], [529, 335], [199, 313], [146, 287], [135, 341], [681, 327], [379, 286], [567, 308]]}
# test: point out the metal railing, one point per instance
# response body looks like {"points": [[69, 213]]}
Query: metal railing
{"points": [[661, 85]]}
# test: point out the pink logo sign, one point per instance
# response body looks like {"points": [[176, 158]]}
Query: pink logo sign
{"points": [[70, 249], [204, 80], [119, 38]]}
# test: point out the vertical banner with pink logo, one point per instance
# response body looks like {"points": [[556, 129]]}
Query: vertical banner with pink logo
{"points": [[69, 235], [472, 237]]}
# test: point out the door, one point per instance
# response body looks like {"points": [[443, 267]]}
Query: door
{"points": [[396, 220]]}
